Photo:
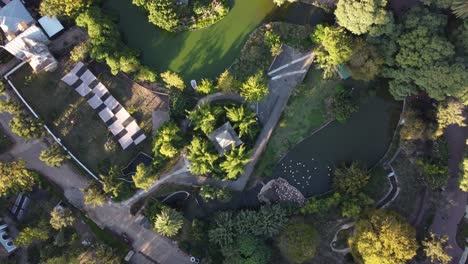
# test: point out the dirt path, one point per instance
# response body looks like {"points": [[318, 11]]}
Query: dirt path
{"points": [[447, 217]]}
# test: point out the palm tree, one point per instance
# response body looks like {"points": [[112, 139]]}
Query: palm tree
{"points": [[460, 9], [235, 161], [201, 159], [242, 118], [168, 222]]}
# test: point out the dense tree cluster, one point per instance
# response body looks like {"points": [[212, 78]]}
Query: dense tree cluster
{"points": [[105, 44], [420, 57], [202, 156], [204, 117], [228, 227], [144, 177]]}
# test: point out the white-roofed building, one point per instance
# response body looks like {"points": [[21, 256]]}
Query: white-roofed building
{"points": [[26, 41], [51, 25], [14, 18], [224, 138]]}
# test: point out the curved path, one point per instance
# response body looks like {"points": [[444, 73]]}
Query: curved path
{"points": [[391, 195]]}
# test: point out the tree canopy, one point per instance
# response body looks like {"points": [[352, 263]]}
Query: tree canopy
{"points": [[208, 192], [298, 242], [383, 237], [144, 178], [161, 13], [54, 156], [235, 162], [15, 178], [69, 8], [61, 218], [434, 249], [173, 80], [168, 222], [202, 157], [206, 86], [27, 127], [255, 88], [364, 16], [204, 117], [243, 118], [450, 112], [167, 140], [350, 179], [93, 195], [420, 57], [336, 47]]}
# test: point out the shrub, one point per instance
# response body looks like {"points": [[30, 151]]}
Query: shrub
{"points": [[208, 192], [79, 52], [343, 104]]}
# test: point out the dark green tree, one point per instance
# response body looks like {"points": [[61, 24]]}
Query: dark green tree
{"points": [[298, 242]]}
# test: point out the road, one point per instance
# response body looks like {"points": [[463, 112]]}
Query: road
{"points": [[114, 216]]}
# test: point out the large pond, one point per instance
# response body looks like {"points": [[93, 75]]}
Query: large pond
{"points": [[364, 137], [195, 54]]}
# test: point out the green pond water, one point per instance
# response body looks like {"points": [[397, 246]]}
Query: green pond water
{"points": [[194, 54], [364, 137]]}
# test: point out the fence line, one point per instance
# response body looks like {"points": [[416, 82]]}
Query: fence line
{"points": [[58, 140]]}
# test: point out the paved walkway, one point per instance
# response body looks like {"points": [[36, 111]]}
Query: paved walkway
{"points": [[116, 217], [449, 215]]}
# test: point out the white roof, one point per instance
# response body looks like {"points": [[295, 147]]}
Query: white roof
{"points": [[51, 25], [17, 46], [225, 139], [12, 14]]}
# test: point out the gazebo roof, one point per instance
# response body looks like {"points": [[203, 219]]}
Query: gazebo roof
{"points": [[224, 137]]}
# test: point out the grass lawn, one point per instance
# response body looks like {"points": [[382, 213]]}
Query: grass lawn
{"points": [[305, 112], [77, 124]]}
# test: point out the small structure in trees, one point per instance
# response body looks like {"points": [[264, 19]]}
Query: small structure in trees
{"points": [[224, 138]]}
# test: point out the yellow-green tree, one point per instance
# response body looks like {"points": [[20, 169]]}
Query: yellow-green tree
{"points": [[54, 156], [15, 177], [450, 112], [255, 88], [70, 8], [61, 218], [227, 83], [206, 86], [173, 80], [94, 195], [143, 177], [434, 249], [168, 222], [235, 162], [383, 237]]}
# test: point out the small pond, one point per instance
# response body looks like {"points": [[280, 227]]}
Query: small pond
{"points": [[364, 137], [204, 52]]}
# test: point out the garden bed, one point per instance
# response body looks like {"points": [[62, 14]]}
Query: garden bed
{"points": [[77, 124]]}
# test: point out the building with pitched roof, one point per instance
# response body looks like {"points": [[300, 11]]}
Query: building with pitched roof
{"points": [[224, 138], [26, 41]]}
